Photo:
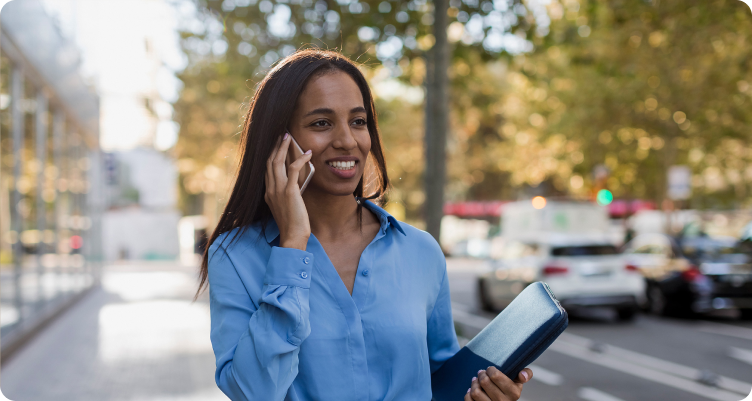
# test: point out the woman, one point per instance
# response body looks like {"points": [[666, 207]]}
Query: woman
{"points": [[325, 296]]}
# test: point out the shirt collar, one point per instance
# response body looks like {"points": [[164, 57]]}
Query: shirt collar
{"points": [[271, 231]]}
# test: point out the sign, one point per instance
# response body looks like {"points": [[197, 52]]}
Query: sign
{"points": [[679, 182]]}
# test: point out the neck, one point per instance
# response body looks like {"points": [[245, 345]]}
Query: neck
{"points": [[331, 216]]}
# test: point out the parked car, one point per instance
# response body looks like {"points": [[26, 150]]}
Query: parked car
{"points": [[582, 270], [688, 276]]}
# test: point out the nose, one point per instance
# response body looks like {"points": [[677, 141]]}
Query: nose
{"points": [[344, 138]]}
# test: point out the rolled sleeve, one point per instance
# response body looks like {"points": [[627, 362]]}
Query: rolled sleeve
{"points": [[289, 267]]}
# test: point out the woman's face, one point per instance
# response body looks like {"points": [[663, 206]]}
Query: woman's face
{"points": [[330, 120]]}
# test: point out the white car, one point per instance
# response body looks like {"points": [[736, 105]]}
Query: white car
{"points": [[582, 271]]}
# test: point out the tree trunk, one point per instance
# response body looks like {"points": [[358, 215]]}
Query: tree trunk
{"points": [[436, 121]]}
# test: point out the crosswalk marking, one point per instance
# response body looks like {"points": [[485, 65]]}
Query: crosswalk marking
{"points": [[636, 364], [591, 394], [607, 359], [741, 354], [660, 365], [546, 376]]}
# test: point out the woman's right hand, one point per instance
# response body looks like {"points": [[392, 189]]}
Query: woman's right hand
{"points": [[283, 197]]}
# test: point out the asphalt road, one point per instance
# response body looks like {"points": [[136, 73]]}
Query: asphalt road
{"points": [[650, 358]]}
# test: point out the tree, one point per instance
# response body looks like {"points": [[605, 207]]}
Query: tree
{"points": [[632, 85], [236, 41]]}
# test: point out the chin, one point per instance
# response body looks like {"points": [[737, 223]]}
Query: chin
{"points": [[334, 189]]}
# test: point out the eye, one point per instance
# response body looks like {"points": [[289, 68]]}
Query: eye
{"points": [[360, 121], [319, 123]]}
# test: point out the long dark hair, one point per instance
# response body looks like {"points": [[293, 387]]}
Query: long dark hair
{"points": [[270, 111]]}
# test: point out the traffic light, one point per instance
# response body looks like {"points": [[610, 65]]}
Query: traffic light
{"points": [[604, 197]]}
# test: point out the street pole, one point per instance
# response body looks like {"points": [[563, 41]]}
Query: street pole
{"points": [[436, 120]]}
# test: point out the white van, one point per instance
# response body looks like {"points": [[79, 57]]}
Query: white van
{"points": [[566, 245]]}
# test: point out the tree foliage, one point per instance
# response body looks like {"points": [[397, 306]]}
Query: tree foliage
{"points": [[631, 85], [233, 43]]}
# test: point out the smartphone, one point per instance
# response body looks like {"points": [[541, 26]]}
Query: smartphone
{"points": [[293, 152]]}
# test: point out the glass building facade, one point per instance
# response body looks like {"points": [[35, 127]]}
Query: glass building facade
{"points": [[50, 202]]}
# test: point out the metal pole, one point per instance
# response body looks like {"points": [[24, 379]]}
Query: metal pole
{"points": [[17, 122], [41, 156], [58, 130], [436, 120]]}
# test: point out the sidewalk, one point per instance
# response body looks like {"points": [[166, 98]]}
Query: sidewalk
{"points": [[137, 338]]}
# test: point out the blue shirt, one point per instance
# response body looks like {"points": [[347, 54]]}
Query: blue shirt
{"points": [[285, 327]]}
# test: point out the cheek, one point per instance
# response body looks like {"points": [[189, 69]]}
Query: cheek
{"points": [[364, 143]]}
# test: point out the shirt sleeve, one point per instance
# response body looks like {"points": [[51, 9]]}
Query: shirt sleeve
{"points": [[442, 339], [256, 348]]}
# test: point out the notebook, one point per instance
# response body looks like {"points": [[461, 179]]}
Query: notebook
{"points": [[512, 341]]}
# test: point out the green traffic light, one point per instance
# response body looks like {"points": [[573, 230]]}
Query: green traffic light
{"points": [[604, 197]]}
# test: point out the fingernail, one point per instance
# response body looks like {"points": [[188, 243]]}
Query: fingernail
{"points": [[308, 152], [524, 374], [474, 379], [480, 371], [286, 135], [468, 390]]}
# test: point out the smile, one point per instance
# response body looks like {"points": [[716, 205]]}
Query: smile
{"points": [[342, 165]]}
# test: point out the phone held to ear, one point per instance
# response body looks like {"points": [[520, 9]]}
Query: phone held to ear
{"points": [[293, 153]]}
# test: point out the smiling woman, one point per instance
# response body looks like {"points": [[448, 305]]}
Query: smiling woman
{"points": [[324, 295]]}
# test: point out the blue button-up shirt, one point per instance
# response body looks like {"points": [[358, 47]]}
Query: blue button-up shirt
{"points": [[284, 326]]}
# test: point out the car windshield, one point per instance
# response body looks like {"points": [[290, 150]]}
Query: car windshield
{"points": [[586, 250]]}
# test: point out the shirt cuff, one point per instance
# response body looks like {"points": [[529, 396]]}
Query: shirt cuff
{"points": [[289, 266]]}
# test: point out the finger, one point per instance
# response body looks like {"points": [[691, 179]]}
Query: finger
{"points": [[275, 149], [477, 393], [281, 154], [269, 176], [505, 384], [525, 376], [489, 386], [270, 166], [279, 170], [293, 171]]}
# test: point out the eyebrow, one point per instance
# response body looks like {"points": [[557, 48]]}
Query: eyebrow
{"points": [[324, 110]]}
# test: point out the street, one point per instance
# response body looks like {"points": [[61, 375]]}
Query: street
{"points": [[139, 337], [600, 359]]}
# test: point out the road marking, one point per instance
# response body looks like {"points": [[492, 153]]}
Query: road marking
{"points": [[546, 376], [741, 354], [591, 394], [726, 330], [660, 365], [607, 359], [643, 366]]}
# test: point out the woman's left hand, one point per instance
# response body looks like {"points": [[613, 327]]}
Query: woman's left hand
{"points": [[492, 385]]}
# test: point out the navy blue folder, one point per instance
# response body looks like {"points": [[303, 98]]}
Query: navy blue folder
{"points": [[512, 341]]}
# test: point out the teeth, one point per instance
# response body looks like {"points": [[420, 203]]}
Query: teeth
{"points": [[342, 165]]}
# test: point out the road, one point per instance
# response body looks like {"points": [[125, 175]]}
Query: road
{"points": [[600, 359], [141, 338]]}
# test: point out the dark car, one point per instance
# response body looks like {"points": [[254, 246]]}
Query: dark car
{"points": [[688, 276]]}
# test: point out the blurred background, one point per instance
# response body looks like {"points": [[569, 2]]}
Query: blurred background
{"points": [[600, 146]]}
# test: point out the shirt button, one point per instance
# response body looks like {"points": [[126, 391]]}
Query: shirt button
{"points": [[365, 272], [304, 275], [307, 260]]}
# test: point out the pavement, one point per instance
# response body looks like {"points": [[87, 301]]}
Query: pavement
{"points": [[141, 338], [137, 338]]}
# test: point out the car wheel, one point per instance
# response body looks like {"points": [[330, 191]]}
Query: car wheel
{"points": [[657, 301], [483, 298], [626, 314]]}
